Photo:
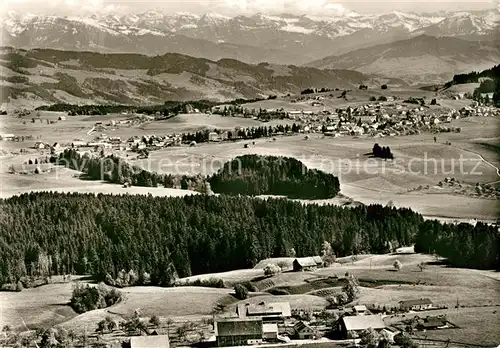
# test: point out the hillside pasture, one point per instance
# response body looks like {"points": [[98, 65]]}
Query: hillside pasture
{"points": [[297, 302], [43, 306], [230, 278], [66, 181]]}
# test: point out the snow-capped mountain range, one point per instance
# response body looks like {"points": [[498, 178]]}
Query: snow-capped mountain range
{"points": [[285, 39]]}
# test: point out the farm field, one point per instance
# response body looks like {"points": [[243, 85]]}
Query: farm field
{"points": [[66, 181]]}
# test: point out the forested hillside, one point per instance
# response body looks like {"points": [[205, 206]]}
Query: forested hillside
{"points": [[463, 246], [247, 175], [490, 83], [53, 233], [258, 175]]}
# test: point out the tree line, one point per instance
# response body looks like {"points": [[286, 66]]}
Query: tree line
{"points": [[170, 237], [382, 152], [116, 170], [257, 175], [245, 133], [491, 85], [463, 245], [248, 174], [51, 233], [168, 107]]}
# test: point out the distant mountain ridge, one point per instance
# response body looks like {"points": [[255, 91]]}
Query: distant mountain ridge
{"points": [[282, 39], [422, 59], [51, 76]]}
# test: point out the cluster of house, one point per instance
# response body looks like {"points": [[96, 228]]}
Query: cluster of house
{"points": [[273, 322], [256, 323]]}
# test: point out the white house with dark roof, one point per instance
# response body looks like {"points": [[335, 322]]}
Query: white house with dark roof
{"points": [[416, 305], [268, 312]]}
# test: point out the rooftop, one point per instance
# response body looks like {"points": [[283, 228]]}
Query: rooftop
{"points": [[363, 322], [360, 308], [157, 341], [270, 328], [301, 326], [422, 301], [308, 261], [237, 326], [264, 309]]}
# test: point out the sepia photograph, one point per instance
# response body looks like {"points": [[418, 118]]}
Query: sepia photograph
{"points": [[250, 173]]}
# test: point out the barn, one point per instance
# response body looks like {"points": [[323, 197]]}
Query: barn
{"points": [[307, 263], [238, 332]]}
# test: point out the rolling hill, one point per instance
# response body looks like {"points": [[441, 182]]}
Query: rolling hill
{"points": [[41, 76], [423, 59]]}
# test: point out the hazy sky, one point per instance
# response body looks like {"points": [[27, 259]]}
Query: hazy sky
{"points": [[229, 7]]}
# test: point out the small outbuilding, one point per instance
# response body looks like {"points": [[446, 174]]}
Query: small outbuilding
{"points": [[307, 263], [360, 310], [40, 145]]}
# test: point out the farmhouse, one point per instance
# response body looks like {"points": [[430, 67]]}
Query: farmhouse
{"points": [[237, 332], [154, 341], [416, 305], [41, 145], [307, 263], [303, 331], [269, 312], [352, 326], [61, 118]]}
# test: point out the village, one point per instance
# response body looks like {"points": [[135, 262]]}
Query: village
{"points": [[274, 322], [387, 118]]}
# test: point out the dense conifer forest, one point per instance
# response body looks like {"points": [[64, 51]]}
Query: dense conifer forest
{"points": [[463, 245], [248, 175], [52, 233], [257, 175], [115, 170]]}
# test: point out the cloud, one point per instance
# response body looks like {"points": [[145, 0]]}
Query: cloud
{"points": [[59, 7], [320, 8], [314, 7]]}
